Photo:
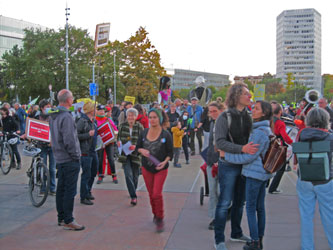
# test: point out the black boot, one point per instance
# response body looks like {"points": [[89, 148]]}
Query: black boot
{"points": [[260, 242], [252, 245]]}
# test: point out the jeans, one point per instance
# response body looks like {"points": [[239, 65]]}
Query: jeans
{"points": [[185, 146], [255, 191], [109, 149], [232, 192], [206, 139], [47, 151], [199, 137], [176, 154], [308, 194], [68, 174], [277, 178], [86, 162], [154, 183], [131, 172], [16, 153], [94, 166], [213, 183]]}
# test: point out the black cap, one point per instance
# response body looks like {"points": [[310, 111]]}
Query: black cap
{"points": [[100, 107]]}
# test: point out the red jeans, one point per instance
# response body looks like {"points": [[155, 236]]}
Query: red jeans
{"points": [[154, 183]]}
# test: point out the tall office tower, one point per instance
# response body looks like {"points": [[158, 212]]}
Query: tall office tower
{"points": [[298, 47]]}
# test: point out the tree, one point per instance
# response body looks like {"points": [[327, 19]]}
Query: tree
{"points": [[290, 81], [41, 62], [142, 68], [328, 87], [222, 92], [289, 95]]}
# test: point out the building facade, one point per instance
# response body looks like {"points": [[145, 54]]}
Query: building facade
{"points": [[298, 47], [12, 33], [184, 79], [252, 79]]}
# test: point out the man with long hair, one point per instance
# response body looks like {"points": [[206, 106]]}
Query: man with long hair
{"points": [[232, 130]]}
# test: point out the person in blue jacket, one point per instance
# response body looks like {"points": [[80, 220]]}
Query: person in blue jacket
{"points": [[255, 174]]}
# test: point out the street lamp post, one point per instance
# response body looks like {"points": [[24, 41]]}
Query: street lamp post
{"points": [[115, 79], [67, 14]]}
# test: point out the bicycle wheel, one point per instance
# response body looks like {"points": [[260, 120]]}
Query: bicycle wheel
{"points": [[39, 184], [6, 158]]}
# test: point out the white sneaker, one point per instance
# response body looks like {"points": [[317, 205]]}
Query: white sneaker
{"points": [[220, 246], [243, 238]]}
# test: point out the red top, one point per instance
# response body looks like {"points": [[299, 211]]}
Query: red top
{"points": [[280, 130], [143, 119]]}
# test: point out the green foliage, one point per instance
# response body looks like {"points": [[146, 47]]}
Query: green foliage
{"points": [[29, 71], [184, 93], [328, 87], [250, 86], [222, 92], [289, 95], [142, 68], [290, 81]]}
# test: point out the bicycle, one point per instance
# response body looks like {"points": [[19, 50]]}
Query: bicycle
{"points": [[7, 156], [38, 173]]}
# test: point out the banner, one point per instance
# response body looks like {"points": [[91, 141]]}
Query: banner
{"points": [[105, 131], [102, 35], [130, 99], [38, 130], [259, 92]]}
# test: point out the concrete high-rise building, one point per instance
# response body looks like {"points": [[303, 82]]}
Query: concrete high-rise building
{"points": [[298, 47], [12, 33]]}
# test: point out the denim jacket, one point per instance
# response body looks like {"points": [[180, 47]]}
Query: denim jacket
{"points": [[252, 164]]}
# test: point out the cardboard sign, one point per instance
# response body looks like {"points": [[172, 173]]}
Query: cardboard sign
{"points": [[102, 35], [38, 130], [130, 99], [105, 131]]}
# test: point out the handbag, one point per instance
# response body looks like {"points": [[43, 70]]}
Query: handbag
{"points": [[275, 156]]}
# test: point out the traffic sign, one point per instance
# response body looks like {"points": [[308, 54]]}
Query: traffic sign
{"points": [[93, 89]]}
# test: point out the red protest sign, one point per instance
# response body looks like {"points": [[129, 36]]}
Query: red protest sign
{"points": [[38, 130], [105, 131]]}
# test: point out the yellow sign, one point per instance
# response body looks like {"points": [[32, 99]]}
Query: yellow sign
{"points": [[259, 92], [130, 99]]}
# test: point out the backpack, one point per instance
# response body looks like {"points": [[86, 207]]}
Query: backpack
{"points": [[313, 160]]}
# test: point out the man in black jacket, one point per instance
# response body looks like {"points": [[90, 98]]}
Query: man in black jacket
{"points": [[67, 153], [86, 132]]}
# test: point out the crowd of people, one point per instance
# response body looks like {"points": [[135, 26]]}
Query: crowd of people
{"points": [[233, 137]]}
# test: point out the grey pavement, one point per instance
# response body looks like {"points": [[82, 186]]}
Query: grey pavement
{"points": [[186, 219]]}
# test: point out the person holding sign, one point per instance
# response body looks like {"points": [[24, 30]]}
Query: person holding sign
{"points": [[129, 133], [155, 144], [109, 148]]}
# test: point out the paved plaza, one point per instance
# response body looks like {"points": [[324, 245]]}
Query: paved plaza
{"points": [[111, 223]]}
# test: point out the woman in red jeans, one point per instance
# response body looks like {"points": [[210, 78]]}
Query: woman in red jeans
{"points": [[155, 144]]}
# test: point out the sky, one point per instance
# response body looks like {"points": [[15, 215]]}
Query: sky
{"points": [[234, 37]]}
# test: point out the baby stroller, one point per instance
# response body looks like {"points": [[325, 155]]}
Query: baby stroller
{"points": [[204, 190]]}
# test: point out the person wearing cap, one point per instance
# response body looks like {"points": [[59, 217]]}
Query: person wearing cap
{"points": [[86, 133], [109, 149], [115, 111], [195, 112]]}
